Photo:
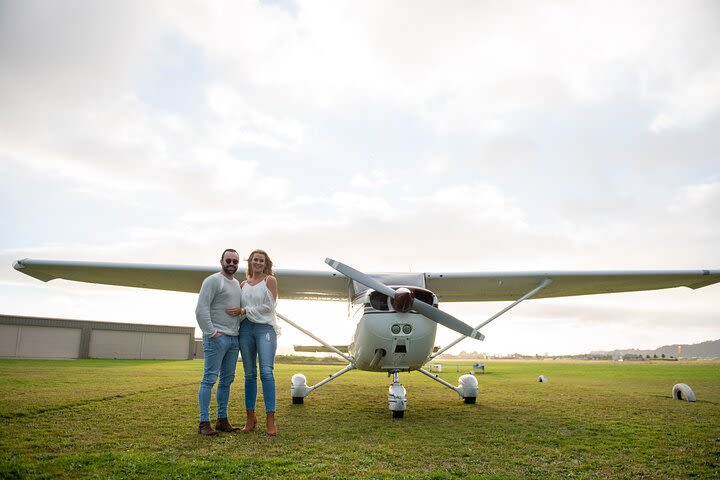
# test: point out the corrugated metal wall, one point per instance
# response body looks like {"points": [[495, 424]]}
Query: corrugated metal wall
{"points": [[52, 338]]}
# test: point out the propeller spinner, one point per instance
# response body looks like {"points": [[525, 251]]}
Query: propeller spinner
{"points": [[403, 298]]}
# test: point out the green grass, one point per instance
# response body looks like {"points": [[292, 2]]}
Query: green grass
{"points": [[138, 419]]}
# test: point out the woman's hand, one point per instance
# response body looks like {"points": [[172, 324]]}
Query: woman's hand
{"points": [[235, 311]]}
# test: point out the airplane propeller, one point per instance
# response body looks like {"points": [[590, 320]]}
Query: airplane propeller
{"points": [[434, 314]]}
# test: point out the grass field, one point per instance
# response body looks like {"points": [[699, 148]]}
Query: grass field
{"points": [[138, 419]]}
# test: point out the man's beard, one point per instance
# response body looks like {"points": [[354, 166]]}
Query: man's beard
{"points": [[230, 269]]}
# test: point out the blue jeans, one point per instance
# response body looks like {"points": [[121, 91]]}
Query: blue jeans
{"points": [[221, 355], [258, 341]]}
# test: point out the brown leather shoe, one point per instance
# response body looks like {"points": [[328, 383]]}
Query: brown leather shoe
{"points": [[250, 422], [223, 425], [206, 429], [271, 428]]}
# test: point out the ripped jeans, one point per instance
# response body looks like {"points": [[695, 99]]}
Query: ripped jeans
{"points": [[258, 341]]}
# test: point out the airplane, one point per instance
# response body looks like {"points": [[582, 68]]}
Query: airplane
{"points": [[396, 313]]}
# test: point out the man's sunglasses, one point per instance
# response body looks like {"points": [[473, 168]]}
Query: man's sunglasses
{"points": [[231, 261]]}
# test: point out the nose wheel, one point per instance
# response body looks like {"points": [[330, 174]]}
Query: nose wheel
{"points": [[397, 397]]}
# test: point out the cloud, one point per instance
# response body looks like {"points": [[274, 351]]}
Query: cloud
{"points": [[699, 199], [436, 164], [373, 179], [689, 102], [241, 124], [471, 204], [55, 53]]}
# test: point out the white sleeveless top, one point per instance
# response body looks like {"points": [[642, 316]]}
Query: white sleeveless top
{"points": [[259, 304]]}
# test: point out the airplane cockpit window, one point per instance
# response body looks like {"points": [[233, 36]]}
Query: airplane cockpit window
{"points": [[424, 296], [407, 279], [379, 301]]}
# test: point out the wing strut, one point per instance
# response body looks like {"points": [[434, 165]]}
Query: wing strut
{"points": [[309, 334], [530, 294]]}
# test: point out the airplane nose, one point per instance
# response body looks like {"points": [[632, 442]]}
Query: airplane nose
{"points": [[403, 300]]}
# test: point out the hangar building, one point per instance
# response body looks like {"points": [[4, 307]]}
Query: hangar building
{"points": [[55, 338]]}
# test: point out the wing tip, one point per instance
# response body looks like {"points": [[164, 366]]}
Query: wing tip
{"points": [[705, 283], [20, 266]]}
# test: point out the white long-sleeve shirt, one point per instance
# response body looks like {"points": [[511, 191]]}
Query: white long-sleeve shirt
{"points": [[216, 294]]}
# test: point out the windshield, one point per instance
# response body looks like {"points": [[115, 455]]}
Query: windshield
{"points": [[405, 279]]}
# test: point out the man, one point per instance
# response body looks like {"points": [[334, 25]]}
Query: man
{"points": [[220, 340]]}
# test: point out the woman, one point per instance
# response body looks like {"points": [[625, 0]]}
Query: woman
{"points": [[258, 336]]}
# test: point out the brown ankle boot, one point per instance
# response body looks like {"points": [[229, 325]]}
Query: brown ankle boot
{"points": [[206, 429], [271, 428], [251, 421], [223, 425]]}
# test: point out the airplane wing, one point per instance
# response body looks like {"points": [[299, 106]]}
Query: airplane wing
{"points": [[321, 285], [477, 287], [292, 284]]}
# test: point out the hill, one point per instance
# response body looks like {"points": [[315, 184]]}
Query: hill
{"points": [[708, 349]]}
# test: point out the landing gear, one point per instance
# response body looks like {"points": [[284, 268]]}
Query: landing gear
{"points": [[397, 397], [467, 388], [299, 388]]}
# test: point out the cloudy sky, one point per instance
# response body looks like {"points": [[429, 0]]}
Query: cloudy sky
{"points": [[393, 136]]}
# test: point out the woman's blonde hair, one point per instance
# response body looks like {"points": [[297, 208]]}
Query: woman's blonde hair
{"points": [[268, 263]]}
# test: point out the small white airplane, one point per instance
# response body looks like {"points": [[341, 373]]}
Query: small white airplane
{"points": [[396, 313]]}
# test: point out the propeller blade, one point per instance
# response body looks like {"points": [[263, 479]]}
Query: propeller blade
{"points": [[434, 314], [361, 277], [438, 316]]}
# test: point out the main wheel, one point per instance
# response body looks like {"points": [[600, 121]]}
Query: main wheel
{"points": [[470, 399], [298, 400], [398, 413]]}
